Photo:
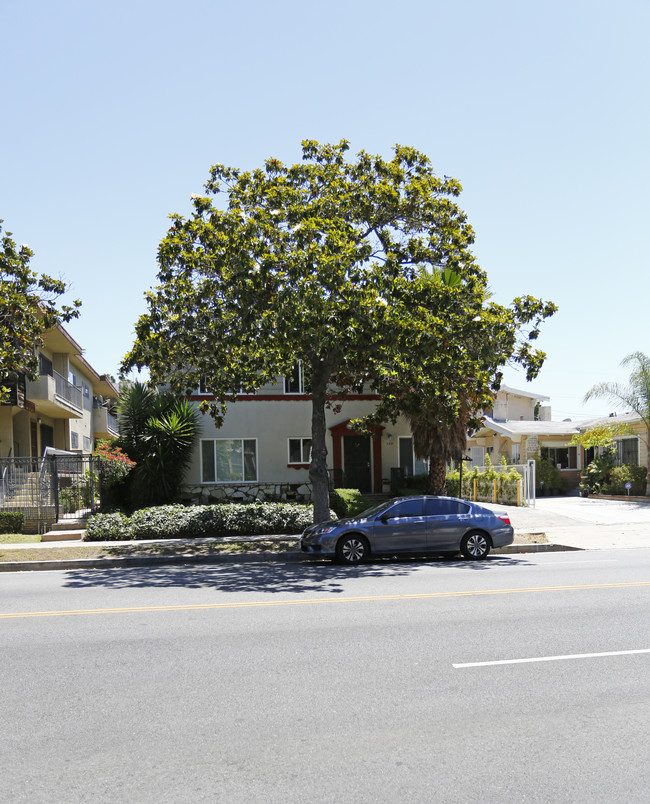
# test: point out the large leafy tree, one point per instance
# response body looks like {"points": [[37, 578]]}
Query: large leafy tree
{"points": [[634, 396], [462, 340], [28, 308], [317, 262]]}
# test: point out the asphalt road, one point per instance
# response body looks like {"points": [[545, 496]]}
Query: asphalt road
{"points": [[395, 681]]}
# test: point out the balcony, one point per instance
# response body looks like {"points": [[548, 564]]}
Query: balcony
{"points": [[54, 396], [104, 424]]}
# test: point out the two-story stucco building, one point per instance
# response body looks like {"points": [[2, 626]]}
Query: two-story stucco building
{"points": [[68, 407], [263, 448]]}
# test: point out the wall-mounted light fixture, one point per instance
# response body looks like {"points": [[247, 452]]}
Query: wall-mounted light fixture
{"points": [[389, 439]]}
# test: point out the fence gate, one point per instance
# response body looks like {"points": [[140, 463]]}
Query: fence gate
{"points": [[50, 489]]}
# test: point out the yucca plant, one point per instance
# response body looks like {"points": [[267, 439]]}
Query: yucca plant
{"points": [[158, 431]]}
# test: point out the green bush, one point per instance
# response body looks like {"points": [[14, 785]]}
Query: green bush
{"points": [[108, 528], [179, 521], [11, 522], [620, 475], [348, 502], [547, 475]]}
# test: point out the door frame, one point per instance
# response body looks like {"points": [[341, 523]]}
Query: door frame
{"points": [[339, 431]]}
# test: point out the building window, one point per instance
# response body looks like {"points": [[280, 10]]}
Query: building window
{"points": [[627, 452], [74, 440], [45, 366], [87, 444], [516, 453], [294, 383], [408, 463], [562, 457], [228, 460], [299, 450]]}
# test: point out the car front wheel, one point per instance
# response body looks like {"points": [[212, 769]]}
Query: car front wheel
{"points": [[352, 549], [475, 545]]}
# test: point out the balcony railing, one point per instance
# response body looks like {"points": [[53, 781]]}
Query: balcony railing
{"points": [[66, 390]]}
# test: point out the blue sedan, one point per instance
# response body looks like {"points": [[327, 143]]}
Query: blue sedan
{"points": [[410, 525]]}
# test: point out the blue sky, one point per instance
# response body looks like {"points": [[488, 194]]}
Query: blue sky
{"points": [[113, 114]]}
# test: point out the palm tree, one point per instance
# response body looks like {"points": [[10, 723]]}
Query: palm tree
{"points": [[158, 431], [438, 442], [635, 395]]}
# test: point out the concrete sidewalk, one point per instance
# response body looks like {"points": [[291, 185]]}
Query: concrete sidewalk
{"points": [[584, 523]]}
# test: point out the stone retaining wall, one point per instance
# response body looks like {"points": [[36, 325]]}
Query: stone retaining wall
{"points": [[247, 492]]}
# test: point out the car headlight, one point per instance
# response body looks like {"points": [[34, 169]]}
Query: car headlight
{"points": [[324, 529]]}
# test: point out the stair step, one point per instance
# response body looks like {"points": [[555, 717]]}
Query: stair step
{"points": [[63, 535], [75, 523]]}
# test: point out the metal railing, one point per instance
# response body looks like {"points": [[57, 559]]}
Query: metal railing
{"points": [[50, 489], [112, 422], [66, 390]]}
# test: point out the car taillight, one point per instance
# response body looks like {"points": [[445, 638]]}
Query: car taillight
{"points": [[504, 518]]}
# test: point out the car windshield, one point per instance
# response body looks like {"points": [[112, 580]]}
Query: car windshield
{"points": [[377, 509]]}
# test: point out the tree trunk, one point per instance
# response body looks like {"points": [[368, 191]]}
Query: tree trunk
{"points": [[318, 467], [437, 475]]}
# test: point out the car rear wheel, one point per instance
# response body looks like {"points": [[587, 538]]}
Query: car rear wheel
{"points": [[475, 545], [352, 549]]}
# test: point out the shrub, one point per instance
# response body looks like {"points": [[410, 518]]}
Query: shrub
{"points": [[547, 475], [11, 522], [348, 502], [108, 527], [620, 475], [226, 519]]}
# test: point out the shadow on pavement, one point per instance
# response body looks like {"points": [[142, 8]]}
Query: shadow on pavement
{"points": [[274, 577]]}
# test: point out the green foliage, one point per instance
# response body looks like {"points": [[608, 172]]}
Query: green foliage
{"points": [[108, 528], [80, 492], [462, 340], [158, 432], [11, 522], [634, 396], [601, 435], [547, 475], [620, 475], [595, 476], [322, 262], [178, 521], [348, 502], [28, 308]]}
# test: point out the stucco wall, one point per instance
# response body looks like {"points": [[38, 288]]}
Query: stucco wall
{"points": [[273, 421]]}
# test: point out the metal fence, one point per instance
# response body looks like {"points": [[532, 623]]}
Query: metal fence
{"points": [[50, 489]]}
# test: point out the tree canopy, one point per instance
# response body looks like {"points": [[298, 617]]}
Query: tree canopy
{"points": [[634, 396], [28, 308], [322, 262]]}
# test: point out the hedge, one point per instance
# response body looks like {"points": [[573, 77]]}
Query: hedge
{"points": [[179, 521], [348, 502], [11, 522]]}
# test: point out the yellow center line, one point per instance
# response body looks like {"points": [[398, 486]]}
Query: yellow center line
{"points": [[310, 601]]}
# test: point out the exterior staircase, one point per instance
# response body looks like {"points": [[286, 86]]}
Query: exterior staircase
{"points": [[65, 530]]}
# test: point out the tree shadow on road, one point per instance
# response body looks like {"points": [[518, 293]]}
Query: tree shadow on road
{"points": [[306, 577]]}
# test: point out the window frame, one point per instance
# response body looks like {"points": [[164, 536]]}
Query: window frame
{"points": [[216, 480], [301, 462], [620, 450], [415, 461], [301, 380]]}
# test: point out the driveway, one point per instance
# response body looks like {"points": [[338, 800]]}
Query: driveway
{"points": [[584, 522]]}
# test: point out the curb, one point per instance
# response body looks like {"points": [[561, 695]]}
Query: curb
{"points": [[289, 557]]}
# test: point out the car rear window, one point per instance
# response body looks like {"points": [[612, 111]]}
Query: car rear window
{"points": [[439, 506]]}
